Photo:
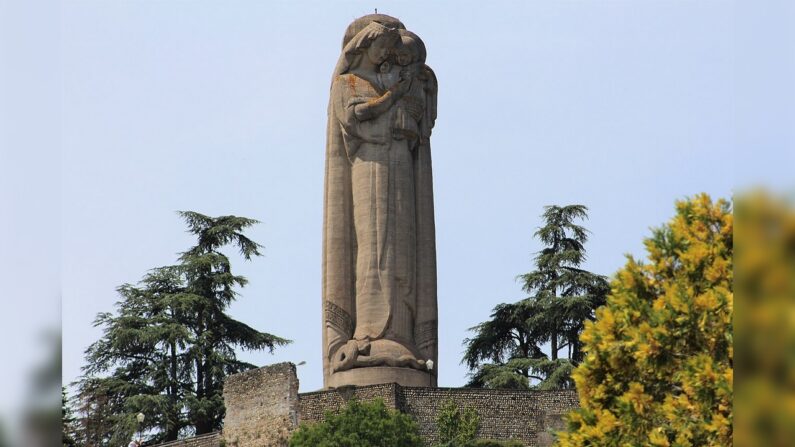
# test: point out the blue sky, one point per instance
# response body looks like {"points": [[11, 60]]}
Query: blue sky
{"points": [[220, 107]]}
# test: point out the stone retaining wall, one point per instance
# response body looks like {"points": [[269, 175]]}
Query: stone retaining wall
{"points": [[208, 440], [263, 407], [312, 406], [528, 416]]}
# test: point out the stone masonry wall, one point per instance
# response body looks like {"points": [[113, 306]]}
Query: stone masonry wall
{"points": [[312, 406], [261, 406], [528, 416], [208, 440]]}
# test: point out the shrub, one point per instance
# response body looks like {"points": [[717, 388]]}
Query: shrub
{"points": [[456, 427], [359, 424]]}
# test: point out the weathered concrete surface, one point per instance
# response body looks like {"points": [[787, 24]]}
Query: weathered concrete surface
{"points": [[261, 406], [381, 374]]}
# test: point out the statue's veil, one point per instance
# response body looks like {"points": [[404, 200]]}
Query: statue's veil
{"points": [[353, 49]]}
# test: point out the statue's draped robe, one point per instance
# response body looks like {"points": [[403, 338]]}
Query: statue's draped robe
{"points": [[379, 272]]}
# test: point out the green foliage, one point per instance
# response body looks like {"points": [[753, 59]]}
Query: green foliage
{"points": [[505, 351], [169, 346], [97, 411], [359, 424], [456, 427], [67, 421], [658, 369]]}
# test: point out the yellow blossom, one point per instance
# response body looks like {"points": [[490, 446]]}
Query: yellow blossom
{"points": [[660, 350]]}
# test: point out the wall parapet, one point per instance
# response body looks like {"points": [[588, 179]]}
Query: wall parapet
{"points": [[530, 416], [261, 406], [264, 407], [206, 440]]}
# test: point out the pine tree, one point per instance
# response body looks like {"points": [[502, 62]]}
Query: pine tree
{"points": [[98, 408], [141, 346], [506, 351], [210, 290], [67, 421], [167, 350]]}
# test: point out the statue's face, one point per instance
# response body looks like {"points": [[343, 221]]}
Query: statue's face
{"points": [[404, 55], [380, 48]]}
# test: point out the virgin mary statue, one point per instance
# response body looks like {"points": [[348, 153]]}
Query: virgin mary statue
{"points": [[379, 256]]}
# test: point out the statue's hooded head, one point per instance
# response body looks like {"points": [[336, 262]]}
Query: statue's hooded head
{"points": [[360, 46], [412, 50], [359, 24]]}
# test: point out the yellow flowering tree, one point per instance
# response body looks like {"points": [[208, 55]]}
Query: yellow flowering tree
{"points": [[765, 323], [658, 363]]}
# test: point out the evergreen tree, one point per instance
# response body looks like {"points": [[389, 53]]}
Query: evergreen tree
{"points": [[143, 348], [658, 367], [167, 350], [98, 407], [209, 291], [506, 350], [67, 421]]}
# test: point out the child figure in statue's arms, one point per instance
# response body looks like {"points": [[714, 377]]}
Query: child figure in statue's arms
{"points": [[409, 66], [411, 107]]}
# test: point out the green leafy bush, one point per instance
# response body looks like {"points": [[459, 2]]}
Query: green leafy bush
{"points": [[360, 424], [456, 427]]}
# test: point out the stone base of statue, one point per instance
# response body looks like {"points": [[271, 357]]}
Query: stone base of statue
{"points": [[381, 374]]}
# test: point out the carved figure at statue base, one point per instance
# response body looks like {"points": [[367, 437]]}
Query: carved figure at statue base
{"points": [[379, 255]]}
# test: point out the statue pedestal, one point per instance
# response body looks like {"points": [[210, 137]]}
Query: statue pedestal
{"points": [[381, 374]]}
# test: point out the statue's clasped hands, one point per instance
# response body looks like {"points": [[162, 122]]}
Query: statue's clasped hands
{"points": [[404, 84]]}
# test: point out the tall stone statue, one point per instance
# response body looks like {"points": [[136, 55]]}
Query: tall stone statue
{"points": [[379, 253]]}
